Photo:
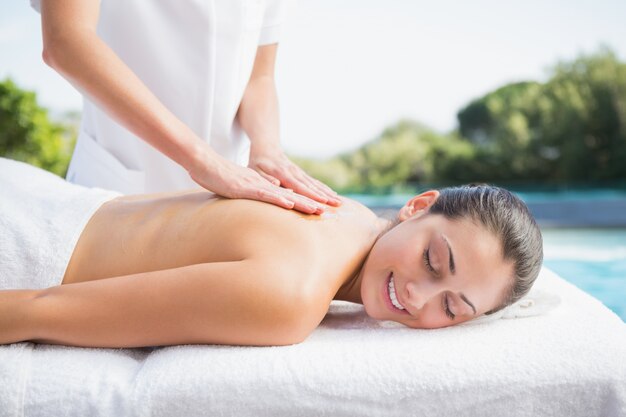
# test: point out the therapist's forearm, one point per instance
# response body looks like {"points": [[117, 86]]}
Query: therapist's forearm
{"points": [[258, 115], [96, 71]]}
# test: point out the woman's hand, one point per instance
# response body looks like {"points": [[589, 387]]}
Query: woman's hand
{"points": [[258, 116], [230, 180], [275, 167]]}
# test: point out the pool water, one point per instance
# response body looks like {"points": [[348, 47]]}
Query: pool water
{"points": [[592, 259], [562, 196]]}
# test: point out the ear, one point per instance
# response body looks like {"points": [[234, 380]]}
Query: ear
{"points": [[418, 205]]}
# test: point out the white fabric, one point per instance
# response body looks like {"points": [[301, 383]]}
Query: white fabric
{"points": [[41, 219], [196, 57], [568, 361]]}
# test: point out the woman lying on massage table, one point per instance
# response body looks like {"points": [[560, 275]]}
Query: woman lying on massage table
{"points": [[189, 267]]}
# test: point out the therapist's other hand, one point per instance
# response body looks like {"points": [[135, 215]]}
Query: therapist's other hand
{"points": [[280, 171], [233, 181]]}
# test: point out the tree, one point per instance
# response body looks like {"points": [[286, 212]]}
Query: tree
{"points": [[571, 128], [28, 135]]}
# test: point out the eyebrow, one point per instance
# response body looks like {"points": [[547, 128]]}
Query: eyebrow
{"points": [[464, 298]]}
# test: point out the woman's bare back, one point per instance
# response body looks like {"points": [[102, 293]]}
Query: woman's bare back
{"points": [[184, 268], [144, 233]]}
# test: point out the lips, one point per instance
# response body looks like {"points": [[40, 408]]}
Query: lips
{"points": [[386, 298]]}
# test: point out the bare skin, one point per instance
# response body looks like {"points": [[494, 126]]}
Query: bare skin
{"points": [[181, 268], [188, 267]]}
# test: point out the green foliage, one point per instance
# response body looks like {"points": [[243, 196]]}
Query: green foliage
{"points": [[571, 128], [404, 153], [27, 134]]}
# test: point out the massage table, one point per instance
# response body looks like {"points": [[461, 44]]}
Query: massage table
{"points": [[536, 358]]}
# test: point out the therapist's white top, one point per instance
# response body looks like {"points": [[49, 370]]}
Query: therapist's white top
{"points": [[196, 56]]}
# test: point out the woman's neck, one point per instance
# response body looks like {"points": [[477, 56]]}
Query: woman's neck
{"points": [[351, 288]]}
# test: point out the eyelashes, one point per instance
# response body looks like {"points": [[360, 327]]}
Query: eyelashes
{"points": [[446, 308], [426, 258], [449, 313]]}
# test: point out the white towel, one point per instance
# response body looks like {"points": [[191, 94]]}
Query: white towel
{"points": [[41, 218], [568, 361]]}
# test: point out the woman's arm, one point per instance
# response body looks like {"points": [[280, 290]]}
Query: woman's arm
{"points": [[258, 110], [73, 48], [258, 116], [237, 303]]}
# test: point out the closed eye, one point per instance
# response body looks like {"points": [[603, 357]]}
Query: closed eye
{"points": [[449, 313], [426, 257]]}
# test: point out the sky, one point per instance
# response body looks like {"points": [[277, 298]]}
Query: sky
{"points": [[347, 69]]}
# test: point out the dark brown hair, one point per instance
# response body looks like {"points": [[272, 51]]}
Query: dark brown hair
{"points": [[507, 217]]}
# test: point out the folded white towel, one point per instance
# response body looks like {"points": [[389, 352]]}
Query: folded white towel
{"points": [[536, 302], [41, 219], [567, 361]]}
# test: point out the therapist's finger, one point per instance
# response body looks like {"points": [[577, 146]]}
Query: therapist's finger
{"points": [[329, 191], [272, 197], [232, 181], [303, 203], [263, 190], [290, 176], [287, 199], [284, 197], [290, 185], [315, 186], [301, 184], [320, 187], [302, 189], [311, 190]]}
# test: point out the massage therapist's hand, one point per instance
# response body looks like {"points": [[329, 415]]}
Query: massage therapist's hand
{"points": [[279, 170], [233, 181]]}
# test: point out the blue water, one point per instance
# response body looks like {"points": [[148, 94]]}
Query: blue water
{"points": [[592, 259], [566, 195]]}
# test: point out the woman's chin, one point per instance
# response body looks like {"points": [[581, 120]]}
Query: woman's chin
{"points": [[372, 312]]}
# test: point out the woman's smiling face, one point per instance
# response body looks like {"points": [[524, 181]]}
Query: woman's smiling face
{"points": [[444, 272]]}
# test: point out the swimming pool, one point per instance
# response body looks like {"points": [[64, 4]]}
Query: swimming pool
{"points": [[592, 259], [564, 195]]}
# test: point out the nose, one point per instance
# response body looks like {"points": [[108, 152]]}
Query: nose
{"points": [[419, 294]]}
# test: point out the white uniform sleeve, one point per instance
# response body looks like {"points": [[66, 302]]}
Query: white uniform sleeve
{"points": [[272, 19], [36, 4]]}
